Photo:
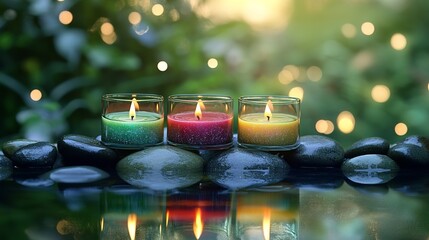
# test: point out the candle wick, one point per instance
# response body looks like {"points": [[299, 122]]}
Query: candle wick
{"points": [[132, 118], [268, 117], [198, 117]]}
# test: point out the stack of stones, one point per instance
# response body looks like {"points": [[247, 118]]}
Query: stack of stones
{"points": [[368, 161]]}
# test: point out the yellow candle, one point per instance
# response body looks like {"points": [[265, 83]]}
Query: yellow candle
{"points": [[281, 129]]}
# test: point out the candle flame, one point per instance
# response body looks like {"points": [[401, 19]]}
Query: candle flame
{"points": [[102, 224], [266, 223], [132, 225], [268, 109], [198, 113], [133, 109], [167, 217], [198, 224]]}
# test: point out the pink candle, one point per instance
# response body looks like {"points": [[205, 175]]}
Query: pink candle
{"points": [[213, 128]]}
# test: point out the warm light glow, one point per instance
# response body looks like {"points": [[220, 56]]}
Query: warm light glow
{"points": [[268, 108], [346, 122], [65, 17], [198, 113], [367, 28], [109, 39], [201, 103], [162, 66], [64, 227], [107, 28], [132, 112], [297, 92], [157, 9], [324, 126], [167, 218], [401, 129], [428, 86], [134, 18], [212, 63], [285, 76], [198, 224], [266, 224], [380, 93], [136, 104], [348, 30], [132, 225], [398, 41], [36, 95], [174, 14], [314, 73], [102, 224]]}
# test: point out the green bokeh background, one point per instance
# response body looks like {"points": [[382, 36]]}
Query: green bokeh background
{"points": [[73, 66]]}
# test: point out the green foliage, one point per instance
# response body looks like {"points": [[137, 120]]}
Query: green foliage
{"points": [[73, 66]]}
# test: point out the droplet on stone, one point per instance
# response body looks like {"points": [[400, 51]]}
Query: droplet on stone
{"points": [[372, 145], [36, 155]]}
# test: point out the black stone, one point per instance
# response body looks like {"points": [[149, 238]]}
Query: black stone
{"points": [[6, 167], [370, 169], [315, 179], [409, 155], [315, 151], [9, 148], [418, 141], [372, 145], [36, 155], [82, 150], [240, 168]]}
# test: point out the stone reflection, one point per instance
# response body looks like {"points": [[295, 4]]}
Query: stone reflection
{"points": [[203, 214]]}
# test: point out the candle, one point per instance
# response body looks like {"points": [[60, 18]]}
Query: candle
{"points": [[200, 122], [141, 125], [276, 127]]}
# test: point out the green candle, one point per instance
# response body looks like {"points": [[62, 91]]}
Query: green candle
{"points": [[143, 129]]}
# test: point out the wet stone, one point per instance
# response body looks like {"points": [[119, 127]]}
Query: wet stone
{"points": [[6, 167], [161, 168], [409, 155], [82, 150], [315, 151], [372, 145], [36, 155], [419, 141], [239, 168], [370, 169], [78, 174], [9, 148]]}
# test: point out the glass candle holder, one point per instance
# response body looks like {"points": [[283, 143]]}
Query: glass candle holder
{"points": [[269, 123], [200, 121], [132, 121]]}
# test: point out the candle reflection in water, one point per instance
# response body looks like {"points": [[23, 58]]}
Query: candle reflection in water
{"points": [[201, 215]]}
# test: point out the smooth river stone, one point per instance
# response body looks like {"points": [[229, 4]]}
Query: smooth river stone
{"points": [[409, 155], [6, 167], [36, 155], [315, 151], [161, 168], [78, 174], [9, 148], [370, 169], [372, 145], [82, 150], [420, 141], [239, 168]]}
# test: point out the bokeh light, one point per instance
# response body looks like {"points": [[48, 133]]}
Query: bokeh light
{"points": [[157, 9], [314, 73], [297, 92], [65, 17], [36, 95], [398, 41], [162, 66], [324, 126], [348, 30], [380, 93], [134, 18], [367, 28], [212, 63], [401, 129], [346, 122], [107, 28]]}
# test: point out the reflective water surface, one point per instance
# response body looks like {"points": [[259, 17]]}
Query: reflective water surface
{"points": [[316, 204]]}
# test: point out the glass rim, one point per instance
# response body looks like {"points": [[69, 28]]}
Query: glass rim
{"points": [[128, 97], [193, 98], [275, 99]]}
